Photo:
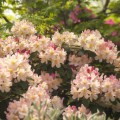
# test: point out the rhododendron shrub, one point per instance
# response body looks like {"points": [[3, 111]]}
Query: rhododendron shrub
{"points": [[49, 78]]}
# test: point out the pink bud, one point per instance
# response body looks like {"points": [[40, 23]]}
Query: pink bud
{"points": [[16, 39], [53, 75], [39, 36], [74, 108], [18, 51], [88, 70], [53, 45], [28, 51], [23, 51]]}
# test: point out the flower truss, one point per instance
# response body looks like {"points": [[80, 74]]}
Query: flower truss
{"points": [[89, 84]]}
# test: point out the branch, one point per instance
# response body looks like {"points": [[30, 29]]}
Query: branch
{"points": [[105, 6], [114, 12], [63, 13], [5, 18], [79, 1]]}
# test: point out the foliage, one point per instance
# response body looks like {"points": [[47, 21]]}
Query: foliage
{"points": [[49, 15]]}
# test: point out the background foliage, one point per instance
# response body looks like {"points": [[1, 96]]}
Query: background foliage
{"points": [[50, 15]]}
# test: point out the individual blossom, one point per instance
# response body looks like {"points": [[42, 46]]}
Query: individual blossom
{"points": [[35, 80], [69, 38], [23, 28], [57, 38], [9, 46], [110, 93], [5, 79], [76, 62], [32, 44], [69, 111], [53, 80], [37, 93], [57, 102]]}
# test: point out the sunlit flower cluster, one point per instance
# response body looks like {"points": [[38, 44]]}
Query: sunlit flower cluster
{"points": [[23, 28], [111, 88], [86, 83], [56, 56], [53, 80], [66, 37], [39, 44], [12, 45], [13, 69], [90, 40], [89, 84], [35, 97], [93, 41], [7, 46], [107, 51]]}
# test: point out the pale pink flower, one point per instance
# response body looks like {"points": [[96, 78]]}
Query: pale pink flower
{"points": [[52, 80], [86, 83], [23, 28]]}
